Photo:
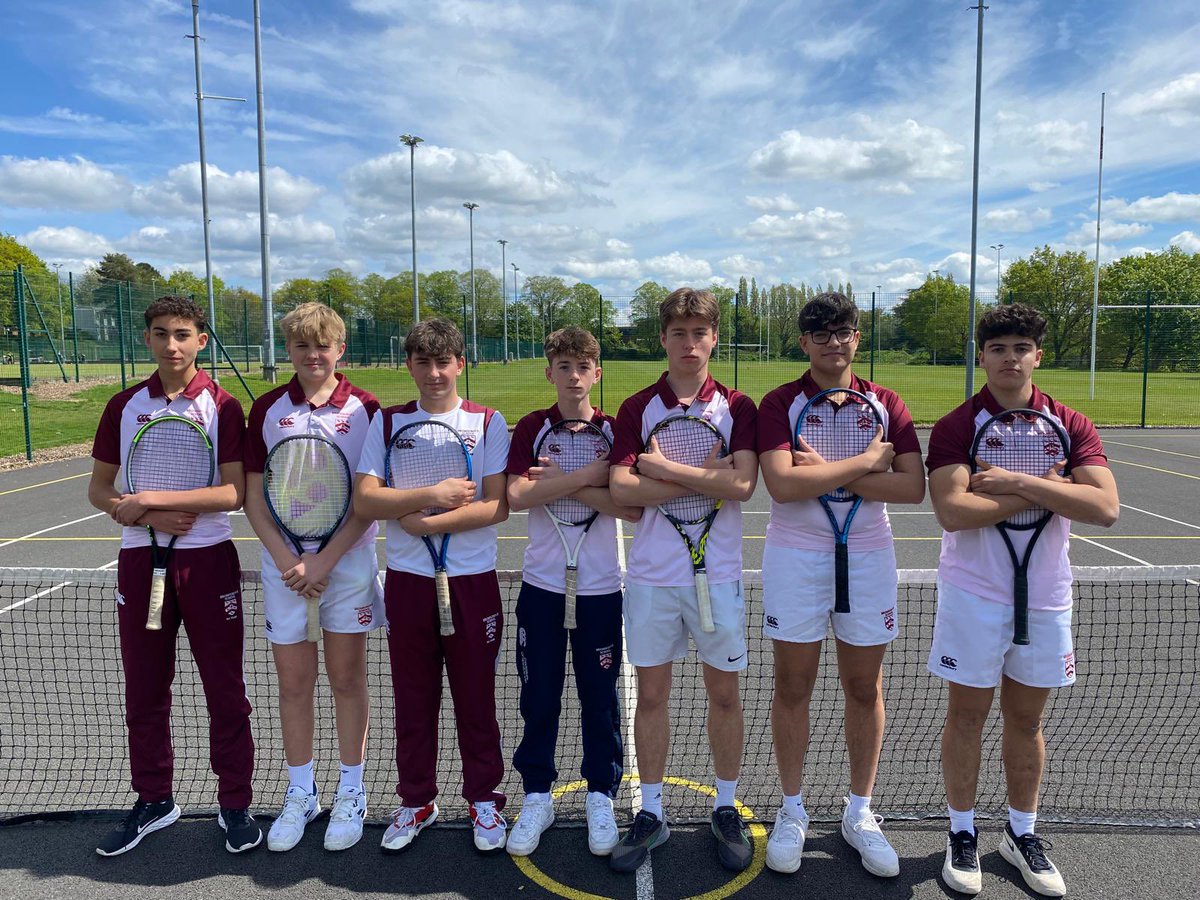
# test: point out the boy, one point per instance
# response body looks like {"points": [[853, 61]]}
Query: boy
{"points": [[434, 358], [798, 575], [972, 641], [317, 401], [573, 357], [203, 583], [661, 607]]}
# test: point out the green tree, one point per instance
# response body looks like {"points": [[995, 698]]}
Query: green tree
{"points": [[933, 318], [14, 253], [117, 267], [1059, 285], [147, 274], [339, 290], [643, 314], [546, 295], [186, 283], [293, 292], [1169, 278]]}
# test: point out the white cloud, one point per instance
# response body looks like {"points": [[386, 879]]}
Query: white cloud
{"points": [[1085, 234], [1011, 219], [1178, 99], [75, 184], [1187, 241], [818, 224], [1053, 140], [65, 243], [1170, 207], [1040, 187], [778, 203], [178, 193], [739, 265], [618, 269], [677, 267]]}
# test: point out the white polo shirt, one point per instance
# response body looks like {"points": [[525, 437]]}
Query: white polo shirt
{"points": [[486, 436], [658, 556]]}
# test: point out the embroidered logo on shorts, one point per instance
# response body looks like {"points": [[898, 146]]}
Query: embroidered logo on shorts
{"points": [[606, 656], [120, 599], [1069, 664], [521, 636], [889, 619], [270, 627], [231, 602], [491, 627], [364, 615], [948, 662], [772, 622]]}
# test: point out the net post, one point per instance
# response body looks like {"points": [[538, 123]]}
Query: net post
{"points": [[23, 355], [737, 334], [467, 368], [600, 341], [121, 333], [874, 329], [1146, 356], [132, 347], [74, 325]]}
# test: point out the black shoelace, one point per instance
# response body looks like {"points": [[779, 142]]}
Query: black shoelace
{"points": [[1034, 848], [729, 823], [134, 815], [963, 851], [643, 824]]}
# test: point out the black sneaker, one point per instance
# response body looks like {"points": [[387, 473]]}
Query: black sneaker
{"points": [[960, 871], [139, 822], [646, 833], [733, 838], [241, 831], [1028, 854]]}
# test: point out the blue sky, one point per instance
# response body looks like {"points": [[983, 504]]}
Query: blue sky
{"points": [[684, 142]]}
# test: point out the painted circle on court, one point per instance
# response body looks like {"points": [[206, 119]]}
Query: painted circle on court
{"points": [[758, 835]]}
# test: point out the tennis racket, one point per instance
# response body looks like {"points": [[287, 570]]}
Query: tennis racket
{"points": [[423, 454], [838, 424], [572, 444], [170, 453], [1028, 441], [689, 440], [307, 485]]}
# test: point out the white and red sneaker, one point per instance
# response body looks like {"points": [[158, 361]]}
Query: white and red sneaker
{"points": [[489, 827], [407, 823]]}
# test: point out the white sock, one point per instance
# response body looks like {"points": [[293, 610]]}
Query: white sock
{"points": [[351, 776], [652, 798], [302, 777], [794, 805], [726, 791], [961, 821], [859, 808], [538, 798], [1021, 822]]}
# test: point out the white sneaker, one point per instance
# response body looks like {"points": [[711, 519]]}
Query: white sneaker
{"points": [[299, 808], [1028, 854], [785, 847], [536, 816], [407, 822], [489, 826], [346, 819], [961, 871], [865, 836], [602, 825]]}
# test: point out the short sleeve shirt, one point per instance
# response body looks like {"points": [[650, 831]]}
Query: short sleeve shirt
{"points": [[976, 559], [802, 524], [658, 556], [545, 556], [344, 419], [486, 435], [202, 401]]}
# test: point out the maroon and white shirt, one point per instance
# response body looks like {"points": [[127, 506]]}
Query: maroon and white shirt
{"points": [[343, 419], [202, 401], [976, 560], [545, 556], [802, 524], [486, 436], [658, 556]]}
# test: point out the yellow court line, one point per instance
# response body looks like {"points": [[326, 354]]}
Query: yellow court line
{"points": [[1156, 469], [1154, 449], [30, 487]]}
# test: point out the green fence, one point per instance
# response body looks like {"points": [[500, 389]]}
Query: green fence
{"points": [[87, 332]]}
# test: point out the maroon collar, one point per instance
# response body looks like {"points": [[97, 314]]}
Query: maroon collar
{"points": [[197, 386], [987, 400], [338, 398], [707, 391]]}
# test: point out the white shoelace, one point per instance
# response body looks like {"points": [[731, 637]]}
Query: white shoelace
{"points": [[788, 829], [868, 829], [404, 817], [295, 807], [343, 807], [487, 816]]}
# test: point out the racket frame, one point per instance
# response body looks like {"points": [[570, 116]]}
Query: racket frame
{"points": [[312, 604], [159, 558]]}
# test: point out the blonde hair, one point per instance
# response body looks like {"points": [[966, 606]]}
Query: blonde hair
{"points": [[572, 341], [314, 321], [689, 303]]}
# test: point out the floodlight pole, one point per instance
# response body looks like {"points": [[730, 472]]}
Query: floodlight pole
{"points": [[411, 140], [62, 331], [264, 221], [471, 207], [516, 297], [1096, 277], [970, 380], [504, 293], [997, 248], [200, 98]]}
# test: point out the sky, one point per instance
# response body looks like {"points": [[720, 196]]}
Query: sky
{"points": [[608, 142]]}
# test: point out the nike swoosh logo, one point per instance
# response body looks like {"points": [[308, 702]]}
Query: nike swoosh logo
{"points": [[735, 658]]}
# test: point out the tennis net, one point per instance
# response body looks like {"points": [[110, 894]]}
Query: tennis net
{"points": [[1123, 743]]}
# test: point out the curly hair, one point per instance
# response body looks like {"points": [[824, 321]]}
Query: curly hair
{"points": [[434, 337], [177, 307], [1010, 319], [572, 341], [828, 311]]}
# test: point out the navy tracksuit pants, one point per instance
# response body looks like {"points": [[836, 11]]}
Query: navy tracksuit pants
{"points": [[596, 648]]}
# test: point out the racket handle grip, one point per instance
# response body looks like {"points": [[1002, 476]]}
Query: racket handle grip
{"points": [[1021, 610], [704, 602], [158, 590], [313, 605], [445, 617], [841, 578], [572, 586]]}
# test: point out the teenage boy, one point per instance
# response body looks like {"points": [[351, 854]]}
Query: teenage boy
{"points": [[661, 608], [203, 583], [434, 357], [972, 640], [798, 577], [344, 575], [573, 367]]}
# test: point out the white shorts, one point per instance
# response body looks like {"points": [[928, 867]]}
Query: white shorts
{"points": [[972, 643], [798, 596], [353, 602], [658, 621]]}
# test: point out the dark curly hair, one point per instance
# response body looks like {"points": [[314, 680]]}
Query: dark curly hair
{"points": [[177, 307], [828, 311], [1018, 319]]}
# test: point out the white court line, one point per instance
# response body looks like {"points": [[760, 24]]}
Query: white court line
{"points": [[1154, 449], [107, 566], [1079, 537], [24, 537], [1157, 516], [20, 603]]}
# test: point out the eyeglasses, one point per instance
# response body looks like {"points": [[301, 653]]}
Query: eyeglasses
{"points": [[843, 335]]}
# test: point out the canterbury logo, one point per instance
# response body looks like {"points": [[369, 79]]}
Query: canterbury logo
{"points": [[555, 448], [143, 418], [813, 419], [287, 422], [949, 662], [995, 443], [405, 444]]}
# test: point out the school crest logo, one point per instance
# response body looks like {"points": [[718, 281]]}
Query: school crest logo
{"points": [[470, 438], [342, 425], [365, 615], [889, 619], [1069, 664], [866, 422], [1052, 448], [491, 627], [606, 657], [232, 603]]}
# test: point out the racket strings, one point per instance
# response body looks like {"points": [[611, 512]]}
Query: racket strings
{"points": [[1020, 444], [840, 431], [308, 486], [170, 456], [571, 448], [688, 442], [425, 455]]}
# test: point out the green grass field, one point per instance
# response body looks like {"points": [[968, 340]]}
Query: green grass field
{"points": [[521, 386]]}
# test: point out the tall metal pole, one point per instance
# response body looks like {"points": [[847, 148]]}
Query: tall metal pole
{"points": [[997, 248], [74, 325], [504, 293], [471, 207], [516, 298], [412, 140], [264, 222], [970, 380], [1096, 277]]}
